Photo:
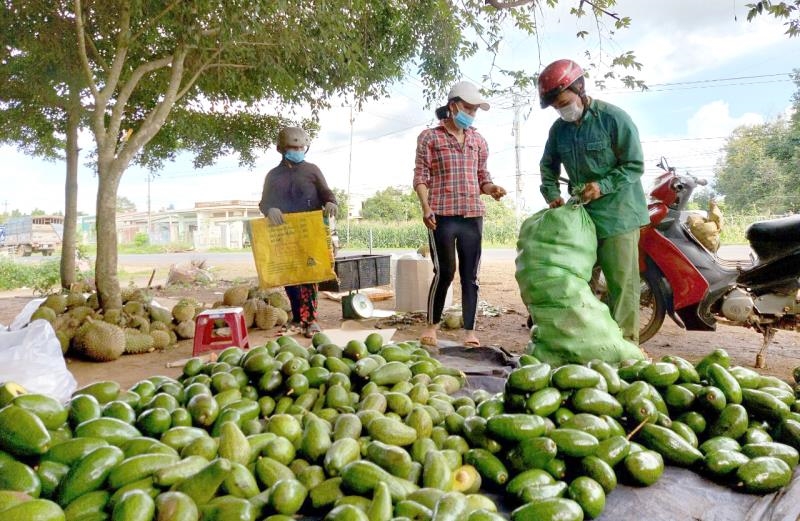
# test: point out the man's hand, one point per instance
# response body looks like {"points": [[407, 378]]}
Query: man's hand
{"points": [[495, 191], [590, 192], [555, 203], [330, 209], [274, 216]]}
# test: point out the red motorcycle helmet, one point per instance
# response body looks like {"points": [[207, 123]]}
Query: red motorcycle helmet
{"points": [[555, 78]]}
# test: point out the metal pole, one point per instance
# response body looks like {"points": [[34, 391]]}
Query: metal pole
{"points": [[349, 171]]}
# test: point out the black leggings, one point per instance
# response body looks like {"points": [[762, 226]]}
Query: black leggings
{"points": [[455, 235]]}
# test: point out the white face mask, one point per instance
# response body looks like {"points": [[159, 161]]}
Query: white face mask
{"points": [[571, 112]]}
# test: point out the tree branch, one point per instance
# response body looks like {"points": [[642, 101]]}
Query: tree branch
{"points": [[615, 16], [157, 17], [200, 70], [508, 4], [79, 29], [123, 43], [115, 123], [155, 119]]}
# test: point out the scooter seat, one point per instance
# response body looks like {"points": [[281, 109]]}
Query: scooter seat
{"points": [[774, 238], [784, 229]]}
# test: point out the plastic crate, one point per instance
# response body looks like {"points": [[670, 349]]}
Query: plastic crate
{"points": [[359, 271]]}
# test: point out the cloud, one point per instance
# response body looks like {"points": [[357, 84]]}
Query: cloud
{"points": [[715, 119]]}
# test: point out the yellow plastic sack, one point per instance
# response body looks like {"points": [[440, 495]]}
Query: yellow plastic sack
{"points": [[296, 252]]}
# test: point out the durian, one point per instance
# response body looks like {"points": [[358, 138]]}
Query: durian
{"points": [[100, 341], [249, 309], [93, 301], [157, 325], [63, 339], [185, 329], [161, 338], [74, 299], [235, 296], [281, 317], [159, 314], [184, 310], [453, 320], [57, 303], [266, 317], [280, 300], [137, 342], [44, 312], [114, 316], [80, 313], [139, 323], [134, 307]]}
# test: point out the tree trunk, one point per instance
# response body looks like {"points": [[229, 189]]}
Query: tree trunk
{"points": [[106, 263], [68, 242]]}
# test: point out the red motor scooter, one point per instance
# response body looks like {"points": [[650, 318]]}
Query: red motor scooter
{"points": [[697, 289]]}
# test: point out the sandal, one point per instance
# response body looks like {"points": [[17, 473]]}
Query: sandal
{"points": [[311, 329], [472, 344], [428, 341]]}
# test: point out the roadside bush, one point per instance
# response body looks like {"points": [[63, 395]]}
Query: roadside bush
{"points": [[141, 239], [41, 278]]}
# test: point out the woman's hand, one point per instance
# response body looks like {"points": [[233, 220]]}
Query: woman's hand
{"points": [[429, 218], [495, 191], [555, 203]]}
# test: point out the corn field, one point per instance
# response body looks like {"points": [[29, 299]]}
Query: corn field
{"points": [[496, 234]]}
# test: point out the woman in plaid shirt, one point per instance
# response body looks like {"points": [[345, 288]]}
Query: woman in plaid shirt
{"points": [[449, 177]]}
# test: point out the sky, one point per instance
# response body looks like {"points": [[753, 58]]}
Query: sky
{"points": [[708, 71]]}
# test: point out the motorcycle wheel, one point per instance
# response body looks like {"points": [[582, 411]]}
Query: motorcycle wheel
{"points": [[651, 309]]}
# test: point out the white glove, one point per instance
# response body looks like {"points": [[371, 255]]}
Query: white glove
{"points": [[275, 216], [330, 209]]}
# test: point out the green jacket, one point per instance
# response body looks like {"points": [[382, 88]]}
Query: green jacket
{"points": [[605, 148]]}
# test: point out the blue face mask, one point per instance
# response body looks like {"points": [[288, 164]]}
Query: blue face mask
{"points": [[295, 156], [463, 120]]}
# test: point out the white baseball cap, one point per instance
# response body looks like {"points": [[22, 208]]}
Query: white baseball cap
{"points": [[468, 92]]}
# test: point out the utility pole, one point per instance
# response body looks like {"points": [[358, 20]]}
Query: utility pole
{"points": [[149, 218], [518, 103]]}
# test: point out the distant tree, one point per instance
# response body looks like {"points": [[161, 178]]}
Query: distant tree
{"points": [[391, 204], [125, 205], [38, 211], [499, 211], [343, 203], [759, 170]]}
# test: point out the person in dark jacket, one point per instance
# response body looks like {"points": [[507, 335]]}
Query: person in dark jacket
{"points": [[296, 185]]}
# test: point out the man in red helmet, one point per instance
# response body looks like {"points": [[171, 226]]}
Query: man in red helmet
{"points": [[598, 146]]}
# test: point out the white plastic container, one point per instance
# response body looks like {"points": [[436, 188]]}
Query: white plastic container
{"points": [[413, 277]]}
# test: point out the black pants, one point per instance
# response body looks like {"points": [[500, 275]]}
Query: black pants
{"points": [[455, 235]]}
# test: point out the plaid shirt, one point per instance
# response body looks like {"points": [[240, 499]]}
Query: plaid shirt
{"points": [[453, 173]]}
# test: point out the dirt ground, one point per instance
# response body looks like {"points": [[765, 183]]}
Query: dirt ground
{"points": [[498, 290]]}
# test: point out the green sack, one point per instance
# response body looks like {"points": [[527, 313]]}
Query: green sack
{"points": [[556, 251]]}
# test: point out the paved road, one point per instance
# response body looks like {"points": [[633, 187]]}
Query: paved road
{"points": [[729, 252]]}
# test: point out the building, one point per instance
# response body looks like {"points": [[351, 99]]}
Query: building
{"points": [[214, 224]]}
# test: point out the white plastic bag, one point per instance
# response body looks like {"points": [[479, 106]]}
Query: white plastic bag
{"points": [[32, 358], [24, 316]]}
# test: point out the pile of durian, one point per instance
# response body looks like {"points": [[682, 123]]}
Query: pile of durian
{"points": [[263, 309], [142, 325]]}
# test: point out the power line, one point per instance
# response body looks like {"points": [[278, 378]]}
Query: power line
{"points": [[722, 79]]}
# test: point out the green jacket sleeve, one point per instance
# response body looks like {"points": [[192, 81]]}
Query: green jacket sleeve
{"points": [[630, 159], [550, 169]]}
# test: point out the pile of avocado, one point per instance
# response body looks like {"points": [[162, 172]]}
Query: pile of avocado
{"points": [[381, 432]]}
